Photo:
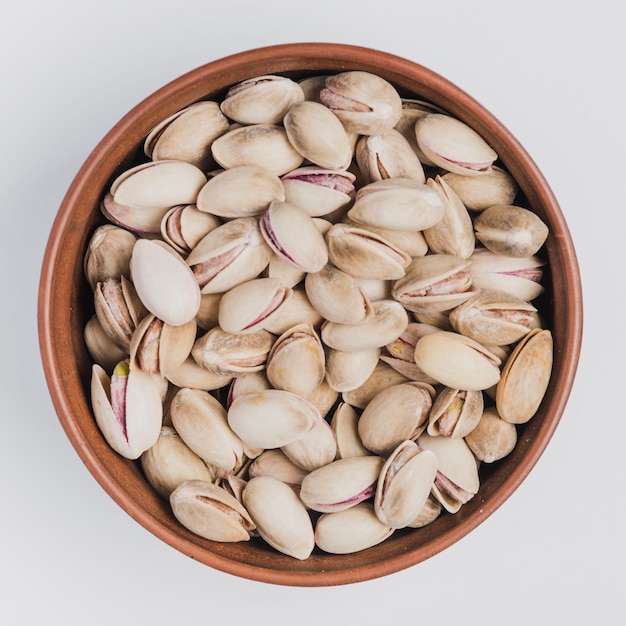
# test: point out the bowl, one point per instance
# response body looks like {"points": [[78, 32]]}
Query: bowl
{"points": [[65, 304]]}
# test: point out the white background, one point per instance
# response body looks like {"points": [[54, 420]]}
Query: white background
{"points": [[553, 73]]}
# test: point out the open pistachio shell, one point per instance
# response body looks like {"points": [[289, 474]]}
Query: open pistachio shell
{"points": [[297, 310], [455, 412], [429, 513], [412, 110], [410, 241], [102, 349], [183, 226], [492, 438], [108, 254], [210, 512], [280, 517], [247, 383]]}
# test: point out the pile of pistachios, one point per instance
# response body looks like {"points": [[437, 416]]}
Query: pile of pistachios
{"points": [[313, 316]]}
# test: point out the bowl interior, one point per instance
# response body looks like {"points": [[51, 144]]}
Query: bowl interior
{"points": [[65, 304]]}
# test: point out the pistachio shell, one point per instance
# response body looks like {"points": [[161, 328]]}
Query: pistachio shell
{"points": [[382, 377], [108, 254], [345, 426], [183, 227], [412, 242], [429, 513], [323, 398], [102, 349], [316, 449], [480, 192], [455, 412], [275, 463], [348, 370], [247, 383], [190, 374], [296, 310], [492, 438]]}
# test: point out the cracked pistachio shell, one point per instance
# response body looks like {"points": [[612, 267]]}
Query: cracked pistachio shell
{"points": [[261, 100], [296, 361], [412, 110], [102, 349], [316, 449], [271, 419], [454, 233], [429, 513], [297, 310], [382, 377], [201, 421], [389, 321], [190, 374], [351, 530], [525, 377], [492, 439], [344, 423], [276, 464], [280, 517], [412, 242], [457, 479], [398, 204], [247, 383], [187, 135], [134, 424], [435, 282], [108, 254], [158, 184], [337, 296], [247, 307], [318, 135], [510, 230], [210, 512], [229, 255], [266, 145], [455, 412], [388, 156], [348, 370], [164, 282], [494, 317], [519, 277], [365, 254], [396, 414], [318, 191], [242, 191], [457, 361], [230, 354], [399, 354], [140, 220], [453, 145], [170, 462], [404, 484], [365, 103], [480, 192], [341, 484], [294, 236], [183, 226], [375, 288]]}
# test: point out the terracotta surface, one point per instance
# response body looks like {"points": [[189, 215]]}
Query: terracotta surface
{"points": [[65, 305]]}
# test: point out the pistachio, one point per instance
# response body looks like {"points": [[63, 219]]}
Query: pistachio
{"points": [[183, 226], [478, 193], [108, 254], [492, 438]]}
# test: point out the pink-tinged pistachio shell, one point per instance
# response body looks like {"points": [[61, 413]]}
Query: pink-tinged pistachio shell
{"points": [[454, 233], [297, 310], [201, 422], [242, 191], [108, 254], [188, 134], [246, 383], [210, 512], [102, 349], [190, 374], [455, 412], [404, 485], [435, 282], [247, 307], [296, 361], [457, 481], [318, 135], [280, 517], [316, 449], [388, 156], [293, 235], [230, 354], [453, 145], [399, 354], [430, 512], [364, 103], [266, 145], [394, 415], [492, 439], [183, 227], [127, 408], [140, 220], [164, 282], [275, 463], [272, 418], [170, 462], [229, 255], [412, 110], [457, 361], [389, 321], [525, 377], [158, 184], [337, 296], [318, 191], [261, 100], [382, 377], [510, 230], [348, 370], [345, 426], [494, 317], [351, 530], [341, 484], [118, 309], [365, 254], [480, 192], [398, 204], [519, 277]]}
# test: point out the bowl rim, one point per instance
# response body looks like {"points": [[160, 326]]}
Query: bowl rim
{"points": [[301, 58]]}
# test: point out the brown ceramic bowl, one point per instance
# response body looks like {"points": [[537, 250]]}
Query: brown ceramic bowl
{"points": [[65, 304]]}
